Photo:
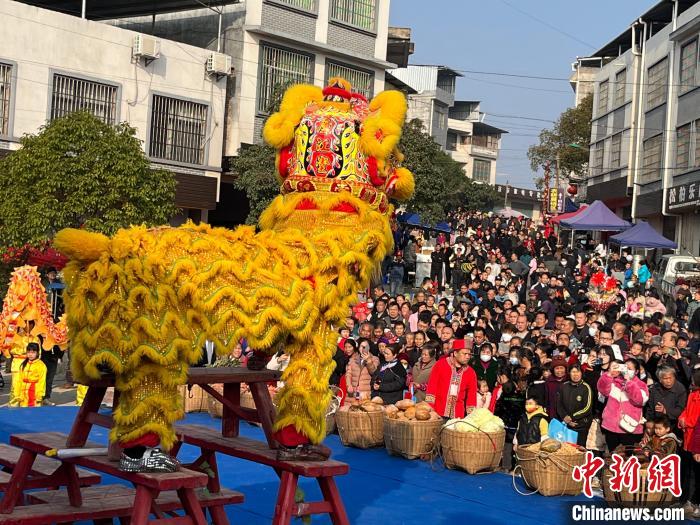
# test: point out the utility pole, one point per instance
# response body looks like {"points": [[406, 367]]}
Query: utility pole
{"points": [[556, 185], [545, 203]]}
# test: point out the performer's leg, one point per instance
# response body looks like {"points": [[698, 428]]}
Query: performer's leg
{"points": [[305, 397], [149, 405]]}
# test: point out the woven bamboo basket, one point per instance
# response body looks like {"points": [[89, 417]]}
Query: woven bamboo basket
{"points": [[642, 498], [194, 399], [216, 409], [247, 400], [472, 451], [548, 473], [360, 429], [411, 439]]}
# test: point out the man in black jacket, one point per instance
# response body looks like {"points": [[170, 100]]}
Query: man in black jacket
{"points": [[668, 396]]}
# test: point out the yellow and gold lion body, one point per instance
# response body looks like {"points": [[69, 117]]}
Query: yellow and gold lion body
{"points": [[144, 302]]}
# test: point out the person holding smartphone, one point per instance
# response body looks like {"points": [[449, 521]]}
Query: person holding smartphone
{"points": [[358, 373]]}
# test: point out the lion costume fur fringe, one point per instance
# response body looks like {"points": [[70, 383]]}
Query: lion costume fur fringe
{"points": [[144, 302]]}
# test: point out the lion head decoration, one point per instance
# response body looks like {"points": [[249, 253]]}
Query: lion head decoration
{"points": [[334, 140]]}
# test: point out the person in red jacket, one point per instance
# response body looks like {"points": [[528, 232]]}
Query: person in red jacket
{"points": [[452, 384], [689, 422]]}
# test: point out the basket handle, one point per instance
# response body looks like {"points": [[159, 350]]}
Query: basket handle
{"points": [[522, 474]]}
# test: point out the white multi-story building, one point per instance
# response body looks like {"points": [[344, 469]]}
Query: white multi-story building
{"points": [[457, 126], [275, 43], [53, 63], [473, 143], [645, 135]]}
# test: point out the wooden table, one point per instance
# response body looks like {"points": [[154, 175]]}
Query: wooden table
{"points": [[208, 441]]}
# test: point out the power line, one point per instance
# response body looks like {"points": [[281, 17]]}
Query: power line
{"points": [[547, 24]]}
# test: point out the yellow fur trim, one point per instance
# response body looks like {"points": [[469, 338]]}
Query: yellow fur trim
{"points": [[391, 104], [405, 185], [297, 97], [389, 134], [279, 129], [340, 82], [80, 244]]}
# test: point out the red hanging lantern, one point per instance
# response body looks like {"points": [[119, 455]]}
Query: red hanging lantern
{"points": [[572, 189]]}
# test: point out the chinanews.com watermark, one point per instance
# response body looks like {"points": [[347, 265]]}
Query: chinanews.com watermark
{"points": [[583, 512], [626, 475]]}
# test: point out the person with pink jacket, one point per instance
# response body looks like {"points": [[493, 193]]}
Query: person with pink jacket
{"points": [[626, 396]]}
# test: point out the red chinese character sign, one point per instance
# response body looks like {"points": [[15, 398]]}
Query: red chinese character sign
{"points": [[588, 471], [664, 473], [626, 474]]}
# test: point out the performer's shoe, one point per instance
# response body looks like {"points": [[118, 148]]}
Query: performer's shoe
{"points": [[153, 460], [303, 453]]}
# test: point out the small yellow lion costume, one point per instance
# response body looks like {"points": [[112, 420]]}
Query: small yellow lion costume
{"points": [[145, 301]]}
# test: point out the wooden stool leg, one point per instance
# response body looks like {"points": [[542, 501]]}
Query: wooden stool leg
{"points": [[142, 506], [331, 494], [285, 499], [73, 485], [218, 515], [192, 507], [19, 476]]}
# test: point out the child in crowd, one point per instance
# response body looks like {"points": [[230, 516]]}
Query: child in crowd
{"points": [[533, 426], [664, 441], [648, 432], [29, 384], [483, 396]]}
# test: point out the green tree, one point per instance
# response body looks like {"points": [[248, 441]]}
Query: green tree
{"points": [[572, 127], [441, 185], [255, 174], [80, 172]]}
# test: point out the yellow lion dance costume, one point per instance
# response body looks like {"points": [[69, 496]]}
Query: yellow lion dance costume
{"points": [[144, 302]]}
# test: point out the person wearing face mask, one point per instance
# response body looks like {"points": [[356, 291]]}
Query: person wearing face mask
{"points": [[626, 396], [533, 426], [485, 366], [575, 404]]}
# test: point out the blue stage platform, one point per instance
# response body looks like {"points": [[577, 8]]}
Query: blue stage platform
{"points": [[380, 489]]}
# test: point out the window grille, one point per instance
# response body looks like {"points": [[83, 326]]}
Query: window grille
{"points": [[280, 69], [359, 13], [178, 130], [651, 159], [657, 80], [71, 94], [362, 81], [482, 170], [5, 97]]}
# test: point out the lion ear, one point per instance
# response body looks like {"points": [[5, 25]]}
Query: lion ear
{"points": [[279, 128], [381, 130]]}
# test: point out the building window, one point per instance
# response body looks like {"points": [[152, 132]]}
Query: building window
{"points": [[598, 155], [683, 147], [446, 83], [358, 13], [603, 97], [482, 170], [657, 83], [651, 159], [689, 66], [178, 130], [697, 143], [440, 117], [615, 150], [280, 68], [620, 85], [71, 94], [362, 81], [307, 5], [5, 96], [451, 142]]}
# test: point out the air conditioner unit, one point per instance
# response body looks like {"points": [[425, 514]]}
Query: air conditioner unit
{"points": [[147, 47], [218, 64]]}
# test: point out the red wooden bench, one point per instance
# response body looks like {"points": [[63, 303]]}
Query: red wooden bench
{"points": [[45, 472], [148, 486], [211, 441], [104, 502]]}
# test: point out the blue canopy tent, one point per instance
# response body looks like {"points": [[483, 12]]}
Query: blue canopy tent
{"points": [[642, 235], [443, 227], [597, 217]]}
